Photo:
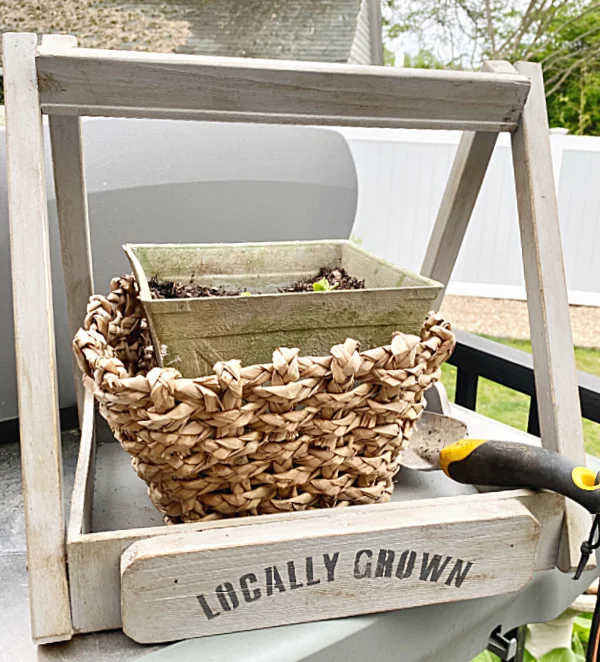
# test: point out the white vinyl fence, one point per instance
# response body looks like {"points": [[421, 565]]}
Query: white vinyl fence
{"points": [[401, 177]]}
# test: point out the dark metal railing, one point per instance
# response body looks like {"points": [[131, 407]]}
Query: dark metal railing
{"points": [[476, 357]]}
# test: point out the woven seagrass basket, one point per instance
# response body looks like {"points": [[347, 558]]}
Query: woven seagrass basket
{"points": [[297, 433]]}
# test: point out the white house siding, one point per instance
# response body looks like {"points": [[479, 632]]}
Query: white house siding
{"points": [[360, 51]]}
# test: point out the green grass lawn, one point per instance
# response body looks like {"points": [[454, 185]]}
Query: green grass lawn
{"points": [[508, 406]]}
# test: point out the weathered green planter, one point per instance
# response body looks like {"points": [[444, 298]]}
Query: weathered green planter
{"points": [[193, 334]]}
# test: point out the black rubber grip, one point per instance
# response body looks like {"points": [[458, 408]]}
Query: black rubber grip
{"points": [[504, 464]]}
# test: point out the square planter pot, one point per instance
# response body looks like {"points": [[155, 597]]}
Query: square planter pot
{"points": [[194, 334]]}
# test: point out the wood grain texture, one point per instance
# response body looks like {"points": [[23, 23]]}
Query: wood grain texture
{"points": [[94, 558], [34, 344], [275, 574], [71, 204], [80, 515], [197, 333], [460, 195], [552, 343], [119, 83]]}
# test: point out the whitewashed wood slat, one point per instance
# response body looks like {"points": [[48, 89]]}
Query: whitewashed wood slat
{"points": [[80, 515], [127, 84], [34, 344], [274, 574], [71, 204], [460, 195], [72, 211], [94, 558], [552, 343]]}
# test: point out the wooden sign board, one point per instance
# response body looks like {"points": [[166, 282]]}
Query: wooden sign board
{"points": [[347, 563]]}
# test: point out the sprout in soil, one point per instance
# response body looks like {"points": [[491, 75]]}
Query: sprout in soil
{"points": [[323, 285]]}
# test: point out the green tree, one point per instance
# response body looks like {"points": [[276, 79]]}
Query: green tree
{"points": [[563, 35], [571, 64]]}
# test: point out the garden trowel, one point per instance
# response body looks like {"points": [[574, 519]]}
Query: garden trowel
{"points": [[439, 443]]}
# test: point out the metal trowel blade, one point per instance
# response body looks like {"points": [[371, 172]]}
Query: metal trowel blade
{"points": [[432, 433]]}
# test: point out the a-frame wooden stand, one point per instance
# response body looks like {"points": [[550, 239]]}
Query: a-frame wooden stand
{"points": [[66, 82]]}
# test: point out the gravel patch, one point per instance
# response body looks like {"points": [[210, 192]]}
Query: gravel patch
{"points": [[509, 319]]}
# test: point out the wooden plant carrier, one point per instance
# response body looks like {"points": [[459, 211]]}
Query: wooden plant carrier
{"points": [[196, 333], [165, 583]]}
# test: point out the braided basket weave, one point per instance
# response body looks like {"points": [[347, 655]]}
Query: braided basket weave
{"points": [[298, 433]]}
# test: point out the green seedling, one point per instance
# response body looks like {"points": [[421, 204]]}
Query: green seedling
{"points": [[246, 294], [323, 285]]}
